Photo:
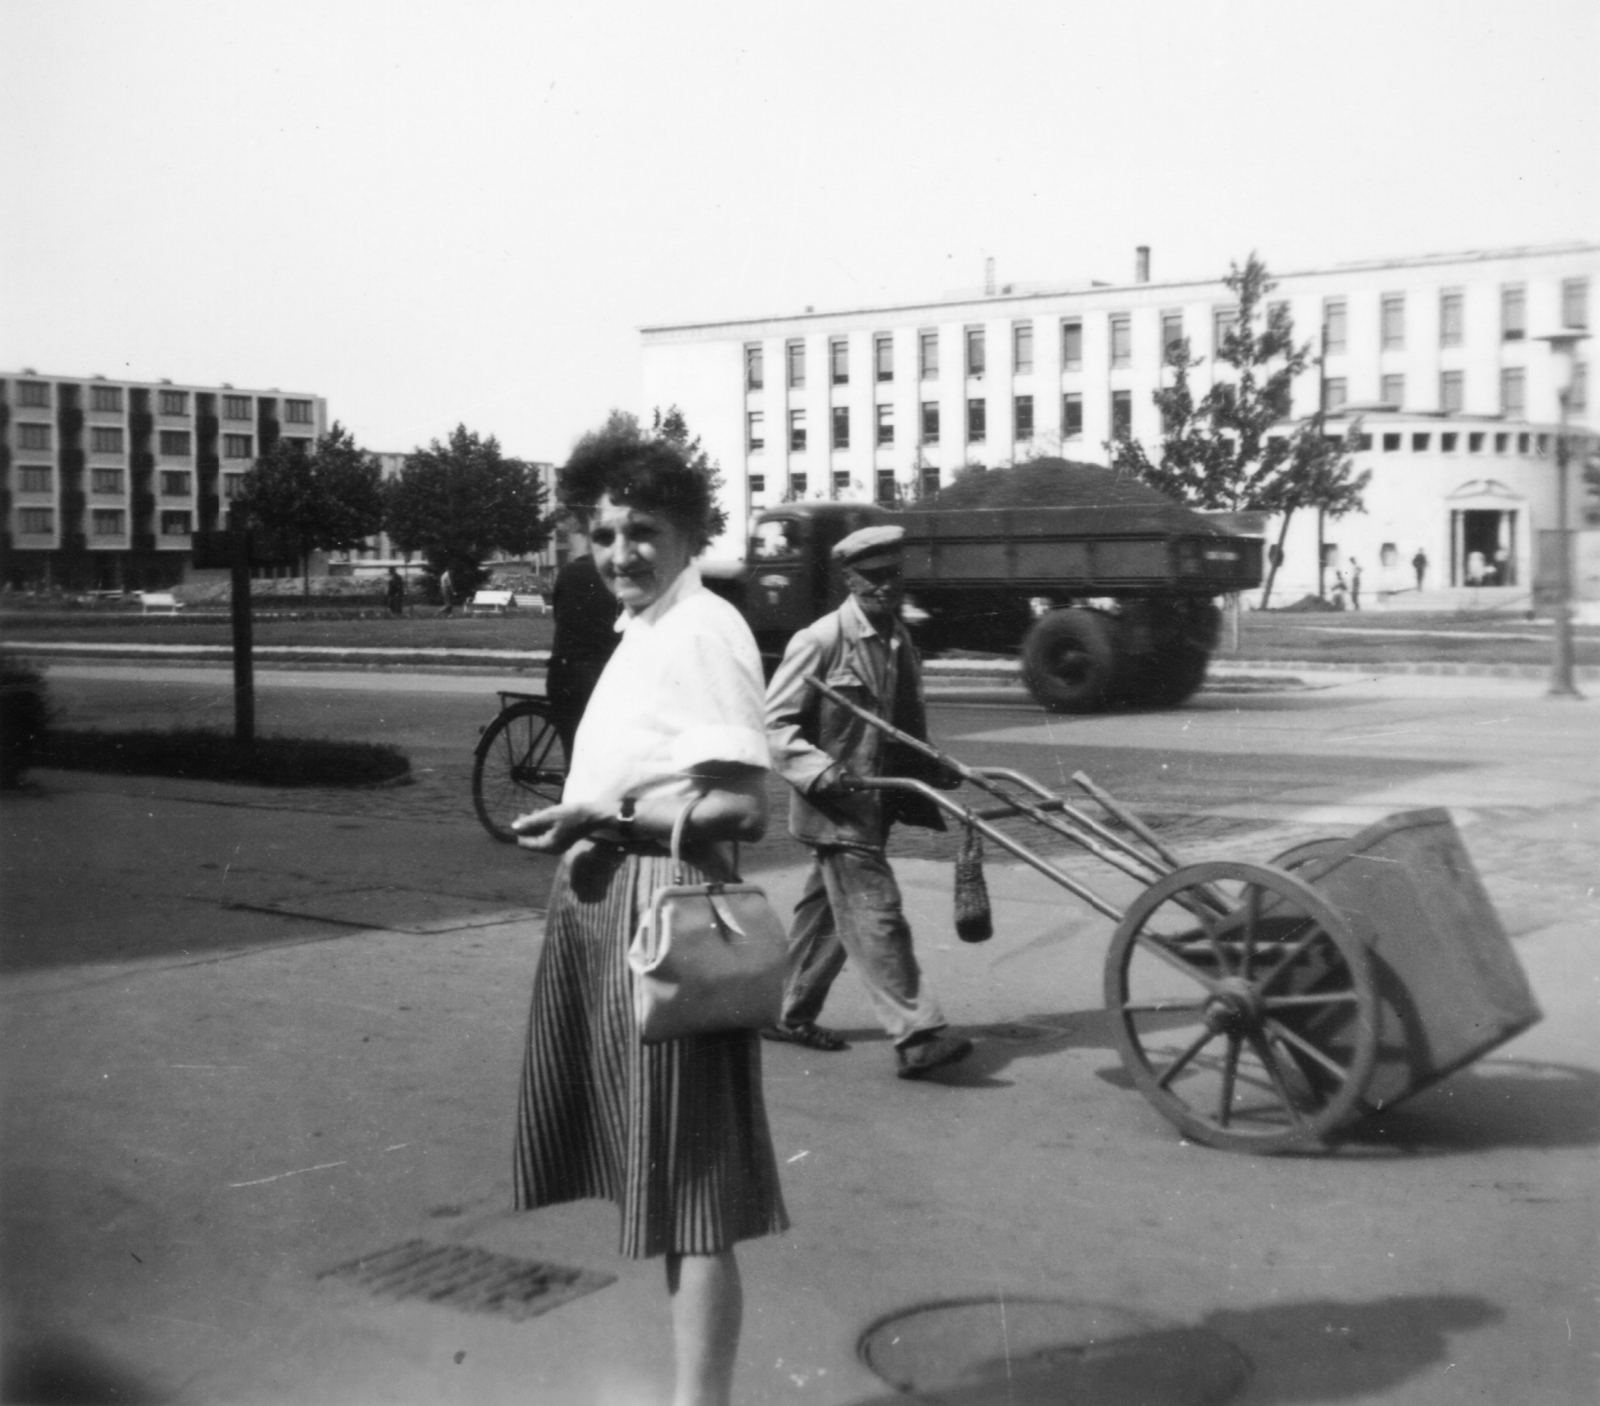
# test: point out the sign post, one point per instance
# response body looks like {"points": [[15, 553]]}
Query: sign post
{"points": [[234, 549], [244, 690]]}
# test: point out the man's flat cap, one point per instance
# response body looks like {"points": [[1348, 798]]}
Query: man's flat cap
{"points": [[878, 545]]}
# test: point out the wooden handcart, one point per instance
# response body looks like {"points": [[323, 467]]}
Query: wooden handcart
{"points": [[1265, 1007]]}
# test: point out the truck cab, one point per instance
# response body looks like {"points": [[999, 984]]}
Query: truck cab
{"points": [[790, 578]]}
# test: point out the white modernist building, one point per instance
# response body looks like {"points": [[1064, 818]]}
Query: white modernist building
{"points": [[1441, 356]]}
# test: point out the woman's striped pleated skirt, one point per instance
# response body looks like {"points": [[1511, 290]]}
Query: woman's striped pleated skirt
{"points": [[674, 1133]]}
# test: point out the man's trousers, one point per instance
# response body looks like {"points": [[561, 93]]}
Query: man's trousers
{"points": [[851, 908]]}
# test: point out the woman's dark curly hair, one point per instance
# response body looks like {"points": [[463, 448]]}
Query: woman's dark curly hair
{"points": [[623, 463]]}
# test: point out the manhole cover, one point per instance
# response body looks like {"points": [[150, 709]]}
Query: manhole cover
{"points": [[1029, 1352], [467, 1278]]}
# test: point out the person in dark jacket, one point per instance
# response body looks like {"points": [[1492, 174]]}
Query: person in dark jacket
{"points": [[586, 633]]}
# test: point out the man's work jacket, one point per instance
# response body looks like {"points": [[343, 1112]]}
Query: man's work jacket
{"points": [[808, 733]]}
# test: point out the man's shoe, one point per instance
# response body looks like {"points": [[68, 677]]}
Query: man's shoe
{"points": [[807, 1033], [924, 1056]]}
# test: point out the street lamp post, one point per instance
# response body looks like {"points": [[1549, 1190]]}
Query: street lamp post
{"points": [[1564, 345]]}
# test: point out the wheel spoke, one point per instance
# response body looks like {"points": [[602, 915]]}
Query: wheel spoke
{"points": [[1310, 1051], [1252, 916], [1177, 1066], [1160, 1007], [1151, 943], [1230, 1071], [1293, 955], [1324, 998], [1263, 1052]]}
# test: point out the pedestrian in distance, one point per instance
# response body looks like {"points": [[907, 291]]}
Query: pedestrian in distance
{"points": [[1355, 584], [674, 1132], [394, 592], [1419, 564], [447, 592], [1340, 590], [585, 635], [850, 906]]}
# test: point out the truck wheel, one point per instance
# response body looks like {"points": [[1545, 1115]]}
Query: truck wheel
{"points": [[1174, 675], [1069, 662]]}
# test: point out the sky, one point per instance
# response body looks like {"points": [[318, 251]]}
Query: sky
{"points": [[463, 212]]}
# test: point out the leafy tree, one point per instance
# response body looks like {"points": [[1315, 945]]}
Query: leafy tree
{"points": [[329, 499], [459, 503], [673, 428], [1220, 451], [1318, 475]]}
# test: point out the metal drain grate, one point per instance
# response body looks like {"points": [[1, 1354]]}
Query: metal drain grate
{"points": [[469, 1279]]}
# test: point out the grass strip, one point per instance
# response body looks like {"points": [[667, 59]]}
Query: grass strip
{"points": [[196, 754]]}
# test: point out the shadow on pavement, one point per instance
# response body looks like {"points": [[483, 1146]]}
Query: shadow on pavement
{"points": [[1495, 1103], [65, 1372], [1316, 1350]]}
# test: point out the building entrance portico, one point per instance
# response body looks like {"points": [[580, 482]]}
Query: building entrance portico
{"points": [[1485, 547]]}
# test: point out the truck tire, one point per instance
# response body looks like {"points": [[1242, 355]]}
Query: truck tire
{"points": [[1069, 661], [1174, 676], [1170, 644]]}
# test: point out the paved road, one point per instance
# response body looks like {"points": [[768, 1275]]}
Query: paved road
{"points": [[254, 1034]]}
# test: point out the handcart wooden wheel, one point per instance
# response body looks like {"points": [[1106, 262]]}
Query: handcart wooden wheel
{"points": [[1244, 1006]]}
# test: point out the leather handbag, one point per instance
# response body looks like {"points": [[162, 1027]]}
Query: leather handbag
{"points": [[706, 957]]}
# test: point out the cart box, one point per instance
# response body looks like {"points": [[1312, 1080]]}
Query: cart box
{"points": [[1449, 984]]}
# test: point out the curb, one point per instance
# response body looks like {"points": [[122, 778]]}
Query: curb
{"points": [[945, 672]]}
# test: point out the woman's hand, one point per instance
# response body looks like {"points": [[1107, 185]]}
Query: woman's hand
{"points": [[555, 829]]}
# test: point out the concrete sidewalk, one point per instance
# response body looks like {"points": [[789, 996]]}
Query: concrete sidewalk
{"points": [[246, 1045]]}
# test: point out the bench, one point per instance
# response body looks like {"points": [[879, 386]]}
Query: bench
{"points": [[152, 602], [496, 602]]}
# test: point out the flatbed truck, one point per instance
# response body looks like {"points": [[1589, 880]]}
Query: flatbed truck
{"points": [[1109, 604]]}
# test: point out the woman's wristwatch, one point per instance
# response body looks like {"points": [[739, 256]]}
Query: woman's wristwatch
{"points": [[624, 823]]}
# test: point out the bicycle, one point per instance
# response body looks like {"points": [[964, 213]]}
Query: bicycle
{"points": [[519, 765]]}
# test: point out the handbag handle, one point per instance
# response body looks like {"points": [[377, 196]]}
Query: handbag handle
{"points": [[679, 874]]}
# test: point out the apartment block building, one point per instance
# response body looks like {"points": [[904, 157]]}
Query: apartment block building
{"points": [[887, 402], [103, 483]]}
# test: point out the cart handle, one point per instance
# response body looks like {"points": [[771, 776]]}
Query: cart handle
{"points": [[975, 820], [1085, 831]]}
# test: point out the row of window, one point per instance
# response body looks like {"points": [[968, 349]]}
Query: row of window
{"points": [[976, 354], [929, 423], [888, 492], [108, 439], [1452, 316], [1453, 391], [103, 522], [175, 483], [1513, 325], [109, 398]]}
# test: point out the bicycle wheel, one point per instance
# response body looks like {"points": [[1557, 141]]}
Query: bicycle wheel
{"points": [[519, 766]]}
